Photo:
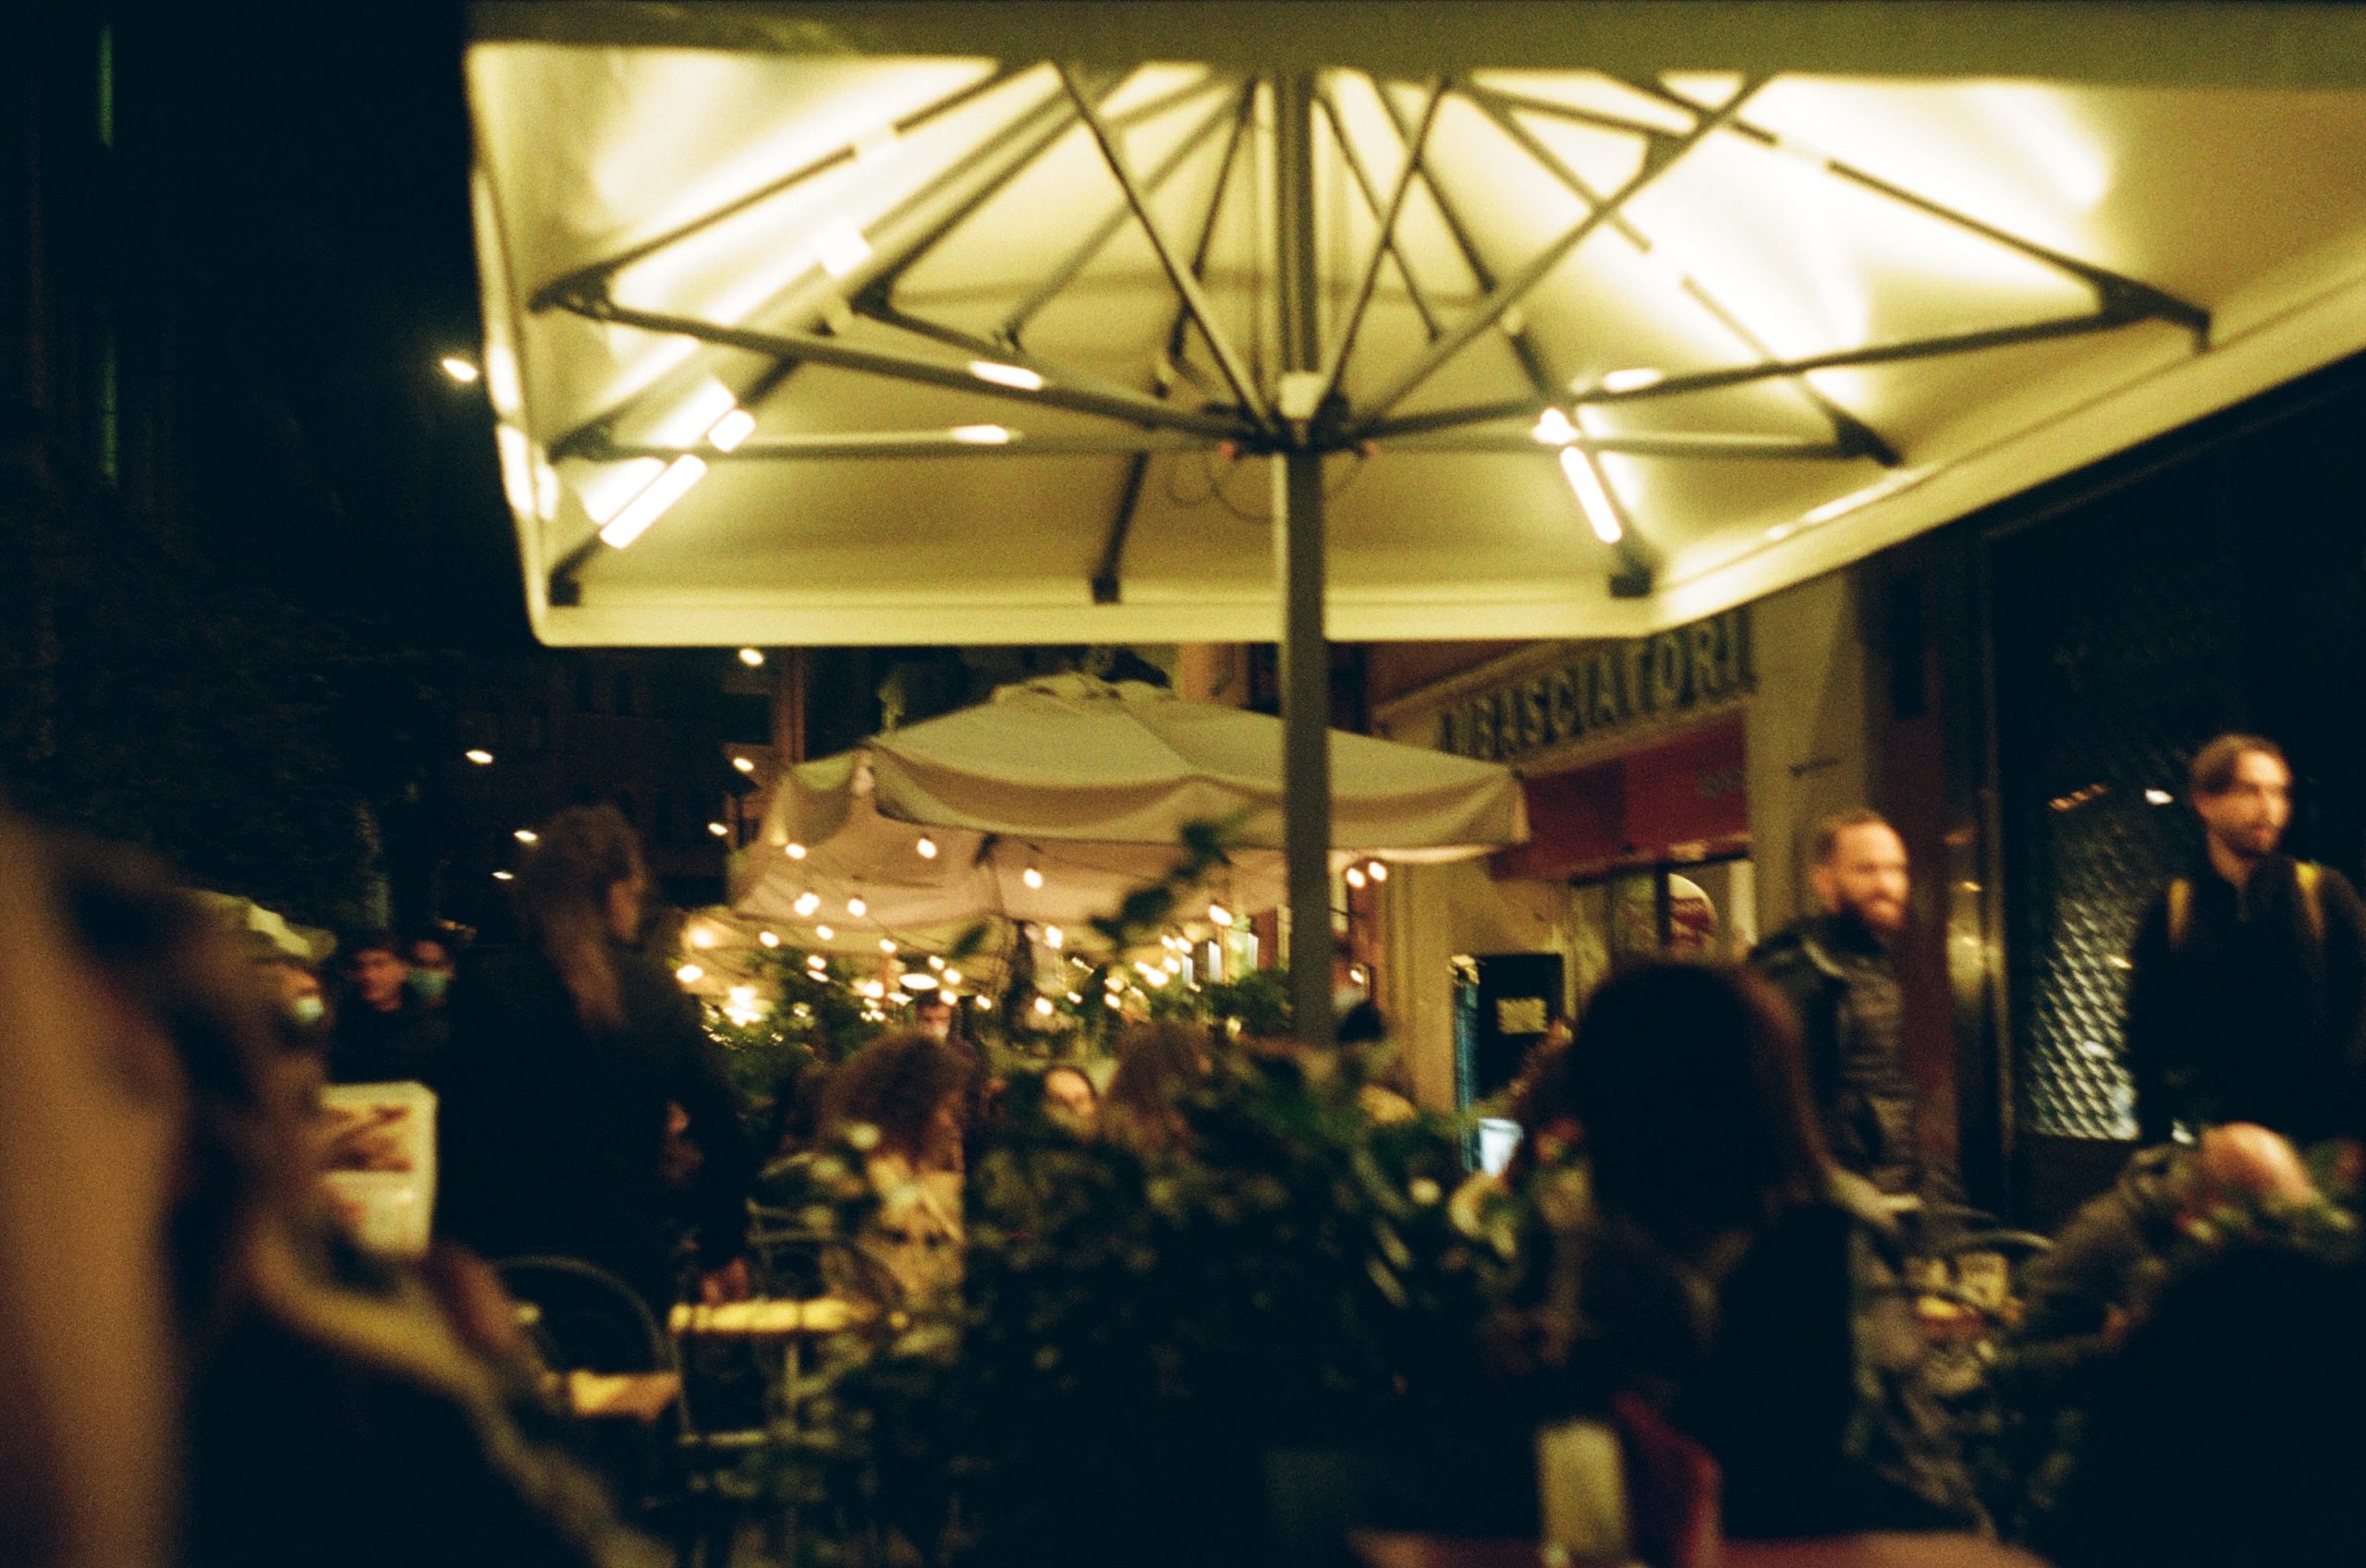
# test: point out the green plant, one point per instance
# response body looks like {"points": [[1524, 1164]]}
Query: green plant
{"points": [[1140, 1332]]}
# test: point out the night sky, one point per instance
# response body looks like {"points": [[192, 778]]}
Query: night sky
{"points": [[315, 165]]}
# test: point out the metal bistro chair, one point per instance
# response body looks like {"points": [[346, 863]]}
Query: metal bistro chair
{"points": [[582, 1318]]}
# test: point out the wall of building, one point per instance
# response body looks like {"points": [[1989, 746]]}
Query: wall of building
{"points": [[1807, 749]]}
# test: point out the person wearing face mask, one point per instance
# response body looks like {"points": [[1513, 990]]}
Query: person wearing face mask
{"points": [[2248, 999], [431, 963], [1838, 969]]}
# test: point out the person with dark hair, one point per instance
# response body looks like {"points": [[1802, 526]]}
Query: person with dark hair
{"points": [[901, 1100], [432, 961], [1727, 1276], [385, 1033], [2248, 999], [1838, 969], [568, 1057]]}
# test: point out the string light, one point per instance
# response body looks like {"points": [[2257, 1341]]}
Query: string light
{"points": [[690, 973], [718, 830], [1042, 1007], [824, 932], [769, 939], [886, 945], [807, 903], [1356, 877], [701, 936], [459, 370], [1219, 916], [527, 835], [934, 962], [505, 876], [480, 756], [794, 851], [752, 656], [953, 977], [745, 764], [857, 908], [1379, 871], [1054, 938], [927, 846], [1031, 877], [816, 962]]}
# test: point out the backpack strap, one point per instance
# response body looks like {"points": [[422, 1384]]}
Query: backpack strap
{"points": [[2180, 913], [2310, 877]]}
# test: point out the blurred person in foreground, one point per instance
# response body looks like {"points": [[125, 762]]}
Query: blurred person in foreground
{"points": [[1838, 970], [1711, 1265], [567, 1058], [900, 1100], [317, 1424], [385, 1033], [2248, 999]]}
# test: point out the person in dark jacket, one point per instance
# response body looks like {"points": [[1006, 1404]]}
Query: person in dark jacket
{"points": [[2248, 1000], [384, 1032], [567, 1059], [1838, 971]]}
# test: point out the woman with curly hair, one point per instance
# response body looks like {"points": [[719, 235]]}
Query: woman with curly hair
{"points": [[900, 1100]]}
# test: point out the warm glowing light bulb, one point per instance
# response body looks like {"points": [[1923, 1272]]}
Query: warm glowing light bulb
{"points": [[857, 908], [927, 846], [825, 932], [953, 977], [1553, 429], [745, 764], [769, 939], [934, 962], [462, 371], [886, 945], [1356, 877], [794, 851], [753, 658], [505, 876], [1031, 877], [481, 757], [1219, 916], [527, 835], [1054, 938], [689, 973], [701, 936], [718, 830], [1378, 871], [1042, 1007], [807, 903]]}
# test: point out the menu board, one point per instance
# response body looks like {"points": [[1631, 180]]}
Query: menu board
{"points": [[380, 1154]]}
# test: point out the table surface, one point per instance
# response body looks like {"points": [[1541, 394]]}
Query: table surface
{"points": [[640, 1396], [1382, 1549]]}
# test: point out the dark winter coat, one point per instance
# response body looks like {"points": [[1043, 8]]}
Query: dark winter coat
{"points": [[553, 1136], [1841, 983], [2256, 1012]]}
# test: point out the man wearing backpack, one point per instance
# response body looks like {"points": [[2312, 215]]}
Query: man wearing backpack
{"points": [[2247, 1003]]}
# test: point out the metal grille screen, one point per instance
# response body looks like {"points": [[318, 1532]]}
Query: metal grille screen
{"points": [[2118, 636]]}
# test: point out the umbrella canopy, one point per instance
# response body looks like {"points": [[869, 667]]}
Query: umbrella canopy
{"points": [[922, 322], [1053, 801]]}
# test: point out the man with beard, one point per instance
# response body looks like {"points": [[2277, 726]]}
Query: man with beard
{"points": [[1838, 971], [2250, 987]]}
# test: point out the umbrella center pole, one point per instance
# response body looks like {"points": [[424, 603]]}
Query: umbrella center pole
{"points": [[1298, 562]]}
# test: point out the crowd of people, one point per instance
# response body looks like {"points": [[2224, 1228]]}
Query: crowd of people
{"points": [[1730, 1193]]}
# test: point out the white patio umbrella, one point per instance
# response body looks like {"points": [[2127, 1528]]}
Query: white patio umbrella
{"points": [[1154, 322], [1050, 803]]}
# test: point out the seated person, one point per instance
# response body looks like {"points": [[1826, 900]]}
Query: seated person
{"points": [[909, 1089], [2080, 1295], [1721, 1273]]}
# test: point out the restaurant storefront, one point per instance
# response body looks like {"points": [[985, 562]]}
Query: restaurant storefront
{"points": [[1667, 780]]}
